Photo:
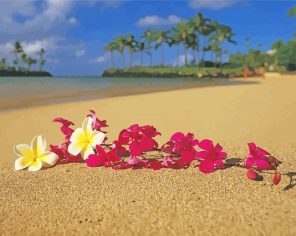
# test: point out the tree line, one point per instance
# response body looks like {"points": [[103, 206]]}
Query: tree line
{"points": [[281, 56], [22, 61], [187, 34]]}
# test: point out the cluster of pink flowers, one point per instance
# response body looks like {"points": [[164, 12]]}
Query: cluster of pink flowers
{"points": [[130, 150]]}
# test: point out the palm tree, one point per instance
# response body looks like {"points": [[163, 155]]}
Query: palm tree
{"points": [[42, 60], [31, 61], [141, 47], [149, 38], [111, 47], [183, 30], [120, 46], [161, 37], [174, 39], [222, 33], [202, 27], [131, 44], [24, 58], [17, 50], [3, 65]]}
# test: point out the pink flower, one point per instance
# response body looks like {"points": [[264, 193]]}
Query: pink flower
{"points": [[102, 158], [276, 178], [97, 124], [139, 138], [66, 130], [182, 146], [252, 175], [62, 152], [260, 159], [211, 156]]}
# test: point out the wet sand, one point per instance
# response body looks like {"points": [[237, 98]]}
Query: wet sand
{"points": [[73, 199]]}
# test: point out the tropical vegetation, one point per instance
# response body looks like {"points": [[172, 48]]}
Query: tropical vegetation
{"points": [[199, 38], [23, 63]]}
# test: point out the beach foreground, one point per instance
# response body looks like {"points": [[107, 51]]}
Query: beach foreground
{"points": [[75, 199]]}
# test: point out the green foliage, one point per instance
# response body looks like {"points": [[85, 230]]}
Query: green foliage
{"points": [[173, 72], [292, 11], [186, 32], [285, 55]]}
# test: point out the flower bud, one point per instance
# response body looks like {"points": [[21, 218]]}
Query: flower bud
{"points": [[251, 174], [276, 178]]}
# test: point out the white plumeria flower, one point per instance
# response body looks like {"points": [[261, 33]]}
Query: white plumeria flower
{"points": [[34, 156], [84, 140]]}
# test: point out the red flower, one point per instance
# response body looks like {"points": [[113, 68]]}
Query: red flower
{"points": [[66, 130], [252, 174], [260, 159], [183, 146], [139, 138], [211, 156], [276, 178], [97, 124], [62, 152], [102, 158]]}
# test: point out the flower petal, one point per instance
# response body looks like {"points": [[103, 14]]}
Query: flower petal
{"points": [[263, 165], [250, 161], [75, 148], [206, 144], [21, 163], [78, 136], [23, 150], [207, 166], [86, 151], [35, 166], [87, 125], [177, 136], [97, 138], [48, 158], [38, 145], [219, 164], [135, 148]]}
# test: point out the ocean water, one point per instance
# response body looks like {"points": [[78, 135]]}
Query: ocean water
{"points": [[18, 92], [17, 87]]}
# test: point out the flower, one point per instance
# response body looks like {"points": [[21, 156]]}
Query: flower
{"points": [[276, 178], [34, 156], [139, 138], [84, 140], [97, 124], [251, 174], [102, 158], [65, 128], [260, 159], [211, 156], [182, 145]]}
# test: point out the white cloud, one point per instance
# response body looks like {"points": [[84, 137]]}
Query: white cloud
{"points": [[79, 52], [212, 4], [37, 18], [73, 21], [98, 60], [157, 20]]}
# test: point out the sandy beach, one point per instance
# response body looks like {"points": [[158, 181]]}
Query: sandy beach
{"points": [[73, 199]]}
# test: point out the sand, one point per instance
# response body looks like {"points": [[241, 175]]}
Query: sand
{"points": [[73, 199]]}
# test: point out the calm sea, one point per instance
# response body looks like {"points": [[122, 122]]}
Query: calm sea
{"points": [[27, 91]]}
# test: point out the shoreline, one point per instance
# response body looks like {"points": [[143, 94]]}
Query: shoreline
{"points": [[115, 91]]}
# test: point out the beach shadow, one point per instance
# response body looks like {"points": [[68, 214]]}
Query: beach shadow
{"points": [[292, 184], [232, 162]]}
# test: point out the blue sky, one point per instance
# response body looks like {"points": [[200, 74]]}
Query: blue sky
{"points": [[75, 32]]}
